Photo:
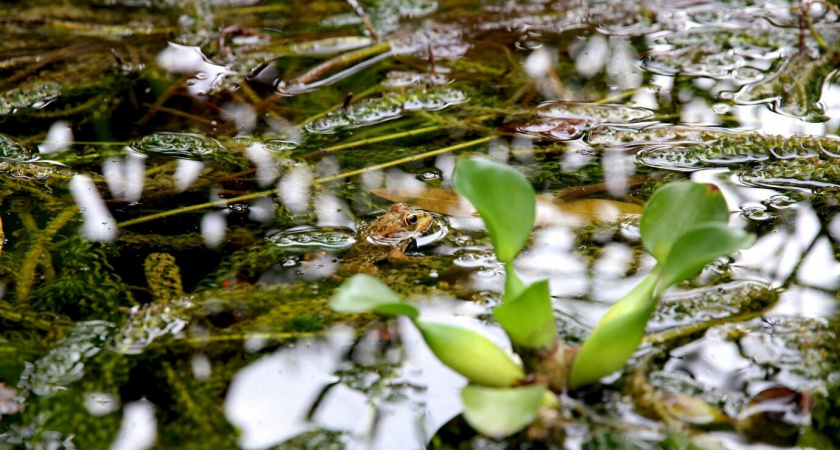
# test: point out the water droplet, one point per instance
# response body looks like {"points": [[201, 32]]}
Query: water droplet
{"points": [[429, 174]]}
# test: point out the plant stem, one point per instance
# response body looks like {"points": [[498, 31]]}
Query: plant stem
{"points": [[375, 140], [224, 202], [407, 159], [339, 61]]}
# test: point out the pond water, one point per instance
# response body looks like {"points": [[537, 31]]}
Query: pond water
{"points": [[182, 182]]}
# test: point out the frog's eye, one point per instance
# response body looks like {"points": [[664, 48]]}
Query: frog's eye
{"points": [[411, 219]]}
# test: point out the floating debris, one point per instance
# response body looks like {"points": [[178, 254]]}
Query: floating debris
{"points": [[561, 129], [330, 46]]}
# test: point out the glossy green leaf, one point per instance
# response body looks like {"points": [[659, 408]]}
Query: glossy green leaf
{"points": [[500, 412], [676, 208], [698, 247], [504, 199], [529, 318], [364, 293], [616, 337], [471, 354]]}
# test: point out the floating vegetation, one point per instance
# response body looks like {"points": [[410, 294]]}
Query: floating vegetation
{"points": [[312, 240], [65, 363], [738, 56], [651, 135], [806, 172], [14, 150], [603, 113], [28, 97], [390, 106], [399, 80], [797, 89], [728, 150], [178, 145]]}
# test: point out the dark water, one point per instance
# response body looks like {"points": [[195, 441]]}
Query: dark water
{"points": [[181, 181]]}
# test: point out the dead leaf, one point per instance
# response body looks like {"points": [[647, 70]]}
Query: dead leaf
{"points": [[439, 200], [559, 128], [550, 210], [8, 401], [585, 211], [574, 192]]}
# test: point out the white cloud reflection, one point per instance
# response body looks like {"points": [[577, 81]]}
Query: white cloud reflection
{"points": [[184, 59], [294, 188], [125, 176], [213, 228], [267, 170], [138, 430], [187, 172], [59, 138], [98, 225]]}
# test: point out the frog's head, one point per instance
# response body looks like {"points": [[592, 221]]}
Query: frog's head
{"points": [[400, 224], [416, 221]]}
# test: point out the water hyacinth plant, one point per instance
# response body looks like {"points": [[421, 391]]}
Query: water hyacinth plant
{"points": [[499, 401]]}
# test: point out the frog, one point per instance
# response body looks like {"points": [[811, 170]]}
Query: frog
{"points": [[386, 238]]}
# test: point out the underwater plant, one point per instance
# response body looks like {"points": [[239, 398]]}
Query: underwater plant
{"points": [[504, 396]]}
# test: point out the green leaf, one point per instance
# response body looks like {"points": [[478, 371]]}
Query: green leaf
{"points": [[364, 293], [529, 318], [500, 412], [616, 337], [470, 354], [504, 199], [674, 209], [698, 247]]}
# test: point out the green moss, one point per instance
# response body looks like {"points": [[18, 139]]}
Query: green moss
{"points": [[85, 285], [163, 277]]}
